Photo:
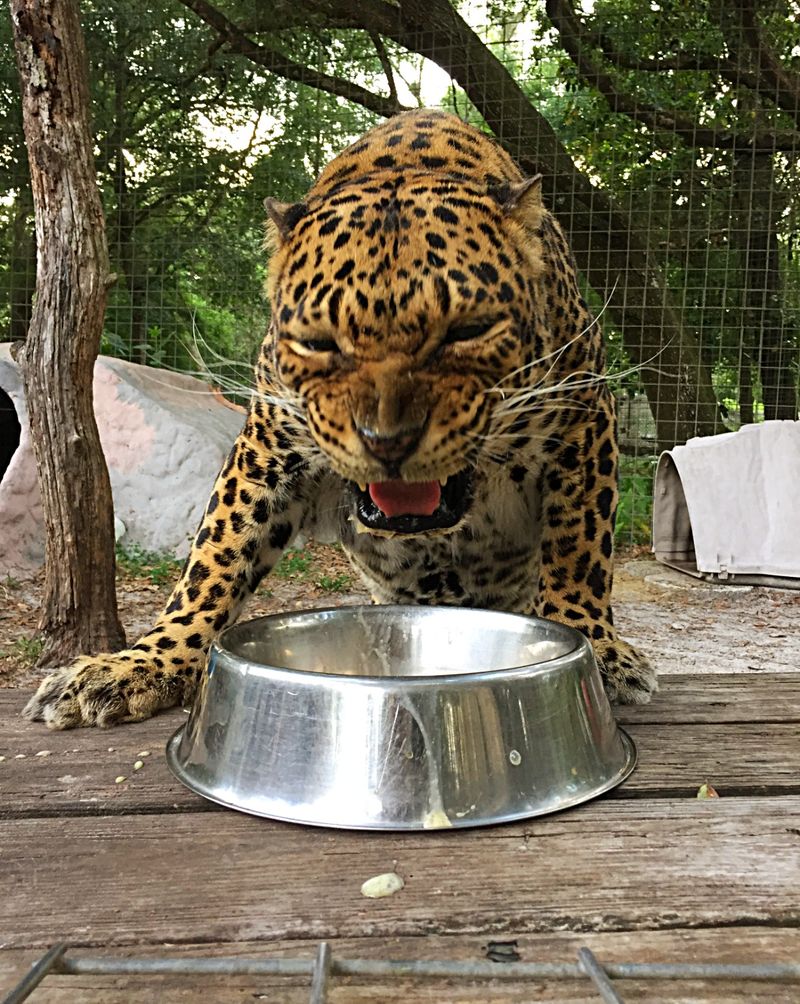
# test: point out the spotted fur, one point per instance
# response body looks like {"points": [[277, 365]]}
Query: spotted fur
{"points": [[426, 321]]}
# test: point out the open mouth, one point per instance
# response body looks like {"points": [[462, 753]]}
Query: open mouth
{"points": [[414, 507]]}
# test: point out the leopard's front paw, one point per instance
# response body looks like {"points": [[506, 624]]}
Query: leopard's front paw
{"points": [[105, 690], [627, 675]]}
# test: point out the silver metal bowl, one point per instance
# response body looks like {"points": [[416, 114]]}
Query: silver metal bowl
{"points": [[401, 718]]}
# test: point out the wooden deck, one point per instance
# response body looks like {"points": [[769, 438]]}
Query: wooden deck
{"points": [[646, 874]]}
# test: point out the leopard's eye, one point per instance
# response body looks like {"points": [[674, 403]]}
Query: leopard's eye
{"points": [[315, 345], [468, 332], [321, 345]]}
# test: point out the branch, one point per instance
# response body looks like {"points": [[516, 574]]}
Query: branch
{"points": [[785, 96], [577, 42], [383, 56], [777, 83], [280, 64]]}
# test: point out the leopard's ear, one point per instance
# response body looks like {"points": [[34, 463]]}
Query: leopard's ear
{"points": [[524, 202], [282, 218]]}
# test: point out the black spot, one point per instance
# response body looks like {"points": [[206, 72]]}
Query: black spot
{"points": [[176, 603], [605, 499], [202, 537], [518, 473], [485, 272], [446, 215], [298, 264], [386, 160], [260, 511], [596, 580], [436, 241], [333, 307], [186, 619], [213, 502], [194, 641], [165, 643], [434, 162], [198, 572], [230, 492], [568, 458], [280, 535], [430, 583], [340, 242], [345, 270], [435, 260]]}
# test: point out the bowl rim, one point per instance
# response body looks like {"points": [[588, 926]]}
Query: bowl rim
{"points": [[579, 651]]}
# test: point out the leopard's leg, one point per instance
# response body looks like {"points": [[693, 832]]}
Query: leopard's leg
{"points": [[254, 512], [578, 514]]}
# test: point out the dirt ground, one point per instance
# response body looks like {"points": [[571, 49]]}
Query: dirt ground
{"points": [[684, 625]]}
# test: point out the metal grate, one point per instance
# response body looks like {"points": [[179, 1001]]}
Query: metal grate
{"points": [[324, 966]]}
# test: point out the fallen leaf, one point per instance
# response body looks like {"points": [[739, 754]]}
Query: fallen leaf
{"points": [[706, 791]]}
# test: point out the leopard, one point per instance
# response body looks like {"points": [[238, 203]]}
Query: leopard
{"points": [[431, 392]]}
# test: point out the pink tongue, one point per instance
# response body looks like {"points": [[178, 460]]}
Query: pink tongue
{"points": [[404, 498]]}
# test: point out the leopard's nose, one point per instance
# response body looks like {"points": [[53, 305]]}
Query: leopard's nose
{"points": [[392, 450]]}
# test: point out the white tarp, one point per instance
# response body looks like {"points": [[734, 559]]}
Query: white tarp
{"points": [[728, 506]]}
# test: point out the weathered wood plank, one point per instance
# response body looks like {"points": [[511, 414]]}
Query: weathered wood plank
{"points": [[78, 775], [226, 877], [721, 697], [734, 945], [748, 759]]}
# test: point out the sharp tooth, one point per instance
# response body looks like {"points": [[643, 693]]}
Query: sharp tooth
{"points": [[362, 485], [443, 481]]}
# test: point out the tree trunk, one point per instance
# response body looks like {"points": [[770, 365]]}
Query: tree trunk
{"points": [[606, 245], [762, 201], [79, 608]]}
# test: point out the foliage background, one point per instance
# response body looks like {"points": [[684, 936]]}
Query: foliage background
{"points": [[682, 117]]}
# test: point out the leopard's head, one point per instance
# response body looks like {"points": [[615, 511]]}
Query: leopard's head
{"points": [[401, 309]]}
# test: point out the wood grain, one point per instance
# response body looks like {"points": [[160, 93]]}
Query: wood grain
{"points": [[225, 877], [721, 697]]}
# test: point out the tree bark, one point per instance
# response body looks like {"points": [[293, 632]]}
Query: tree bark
{"points": [[79, 607]]}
